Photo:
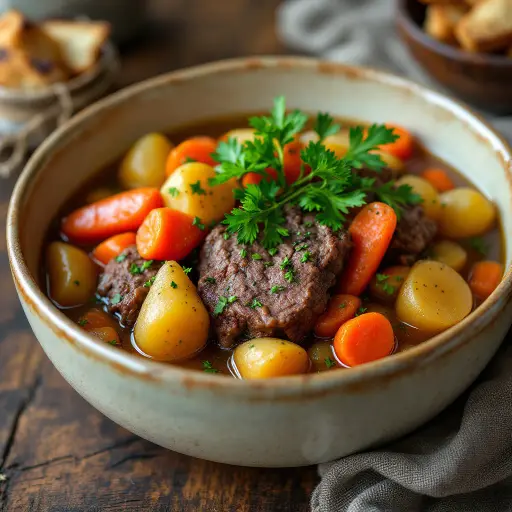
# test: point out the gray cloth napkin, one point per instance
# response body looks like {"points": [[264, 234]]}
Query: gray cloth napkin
{"points": [[462, 460]]}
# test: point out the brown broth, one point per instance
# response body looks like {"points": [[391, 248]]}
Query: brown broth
{"points": [[406, 336]]}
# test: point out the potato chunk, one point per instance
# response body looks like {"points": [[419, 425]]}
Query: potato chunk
{"points": [[173, 322], [262, 358], [433, 297]]}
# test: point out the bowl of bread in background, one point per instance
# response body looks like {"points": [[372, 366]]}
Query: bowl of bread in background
{"points": [[48, 70], [465, 45]]}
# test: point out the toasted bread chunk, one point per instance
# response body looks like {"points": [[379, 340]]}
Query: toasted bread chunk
{"points": [[441, 20], [80, 42], [487, 27]]}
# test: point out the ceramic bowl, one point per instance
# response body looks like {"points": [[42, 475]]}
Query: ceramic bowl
{"points": [[290, 421], [482, 80]]}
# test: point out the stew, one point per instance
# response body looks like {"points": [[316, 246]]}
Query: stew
{"points": [[281, 246]]}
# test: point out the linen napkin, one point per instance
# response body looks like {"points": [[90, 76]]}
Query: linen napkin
{"points": [[462, 460]]}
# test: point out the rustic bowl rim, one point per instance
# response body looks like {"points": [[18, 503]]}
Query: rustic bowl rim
{"points": [[375, 374], [405, 21]]}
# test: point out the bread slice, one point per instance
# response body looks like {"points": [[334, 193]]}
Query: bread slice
{"points": [[441, 20], [487, 27], [80, 42]]}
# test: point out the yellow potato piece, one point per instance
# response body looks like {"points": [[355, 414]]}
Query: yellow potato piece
{"points": [[173, 322], [433, 297], [392, 162], [322, 356], [188, 191], [263, 358], [465, 213], [144, 164], [240, 134], [431, 202], [72, 274], [450, 253]]}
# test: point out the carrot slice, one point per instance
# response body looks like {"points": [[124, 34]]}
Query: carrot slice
{"points": [[363, 339], [371, 230], [253, 178], [196, 149], [340, 309], [113, 247], [111, 216], [485, 277], [403, 147], [292, 162], [439, 179], [168, 234]]}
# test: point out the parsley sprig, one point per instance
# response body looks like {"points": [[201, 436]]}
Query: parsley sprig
{"points": [[330, 188]]}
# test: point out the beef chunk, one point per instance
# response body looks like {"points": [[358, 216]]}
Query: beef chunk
{"points": [[122, 283], [413, 234], [267, 304]]}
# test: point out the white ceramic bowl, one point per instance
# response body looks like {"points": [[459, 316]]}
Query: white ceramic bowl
{"points": [[290, 421]]}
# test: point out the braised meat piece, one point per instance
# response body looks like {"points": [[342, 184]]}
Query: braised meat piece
{"points": [[264, 294]]}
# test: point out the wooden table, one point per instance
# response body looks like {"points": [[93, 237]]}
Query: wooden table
{"points": [[59, 454]]}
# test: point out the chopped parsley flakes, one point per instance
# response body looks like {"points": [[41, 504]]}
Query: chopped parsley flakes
{"points": [[329, 362], [210, 280], [276, 289], [120, 258], [208, 367], [222, 303], [173, 191], [360, 311], [174, 285], [197, 222], [116, 299], [149, 282], [196, 188], [255, 304]]}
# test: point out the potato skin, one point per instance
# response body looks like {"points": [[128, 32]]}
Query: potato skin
{"points": [[433, 297], [465, 213], [173, 322], [209, 203], [144, 164], [72, 275], [263, 358]]}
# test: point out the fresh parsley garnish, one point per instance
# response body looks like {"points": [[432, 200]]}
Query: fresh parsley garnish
{"points": [[243, 253], [120, 258], [116, 299], [113, 342], [329, 189], [189, 160], [255, 304], [383, 284], [343, 305], [256, 256], [83, 322], [196, 188], [173, 191], [305, 257], [479, 245], [226, 236], [76, 282], [146, 265], [208, 367], [174, 285], [285, 263], [210, 280], [187, 270], [329, 362], [197, 222], [276, 288], [360, 311], [222, 303], [290, 275], [272, 251], [149, 282]]}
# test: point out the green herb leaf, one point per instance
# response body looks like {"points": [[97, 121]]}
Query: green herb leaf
{"points": [[255, 304], [174, 285], [116, 299], [305, 257], [146, 265], [277, 288], [149, 282], [329, 362], [243, 253], [221, 305], [113, 342], [256, 256], [173, 191], [397, 197], [210, 280], [232, 299], [189, 160], [197, 222], [208, 367], [76, 282], [325, 126], [290, 275], [120, 258], [196, 188], [479, 245], [360, 311], [343, 305], [83, 322], [272, 251], [187, 270]]}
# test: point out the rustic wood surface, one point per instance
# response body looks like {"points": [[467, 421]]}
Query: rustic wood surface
{"points": [[59, 454]]}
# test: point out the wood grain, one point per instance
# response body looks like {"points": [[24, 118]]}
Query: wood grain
{"points": [[59, 454]]}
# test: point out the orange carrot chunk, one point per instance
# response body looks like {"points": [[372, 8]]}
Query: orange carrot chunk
{"points": [[253, 178], [113, 247], [403, 147], [485, 277], [196, 149], [363, 339], [340, 309], [439, 179], [106, 334], [111, 216], [95, 319], [292, 162], [371, 231], [168, 234]]}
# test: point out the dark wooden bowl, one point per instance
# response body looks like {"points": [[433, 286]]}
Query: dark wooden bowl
{"points": [[482, 80]]}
